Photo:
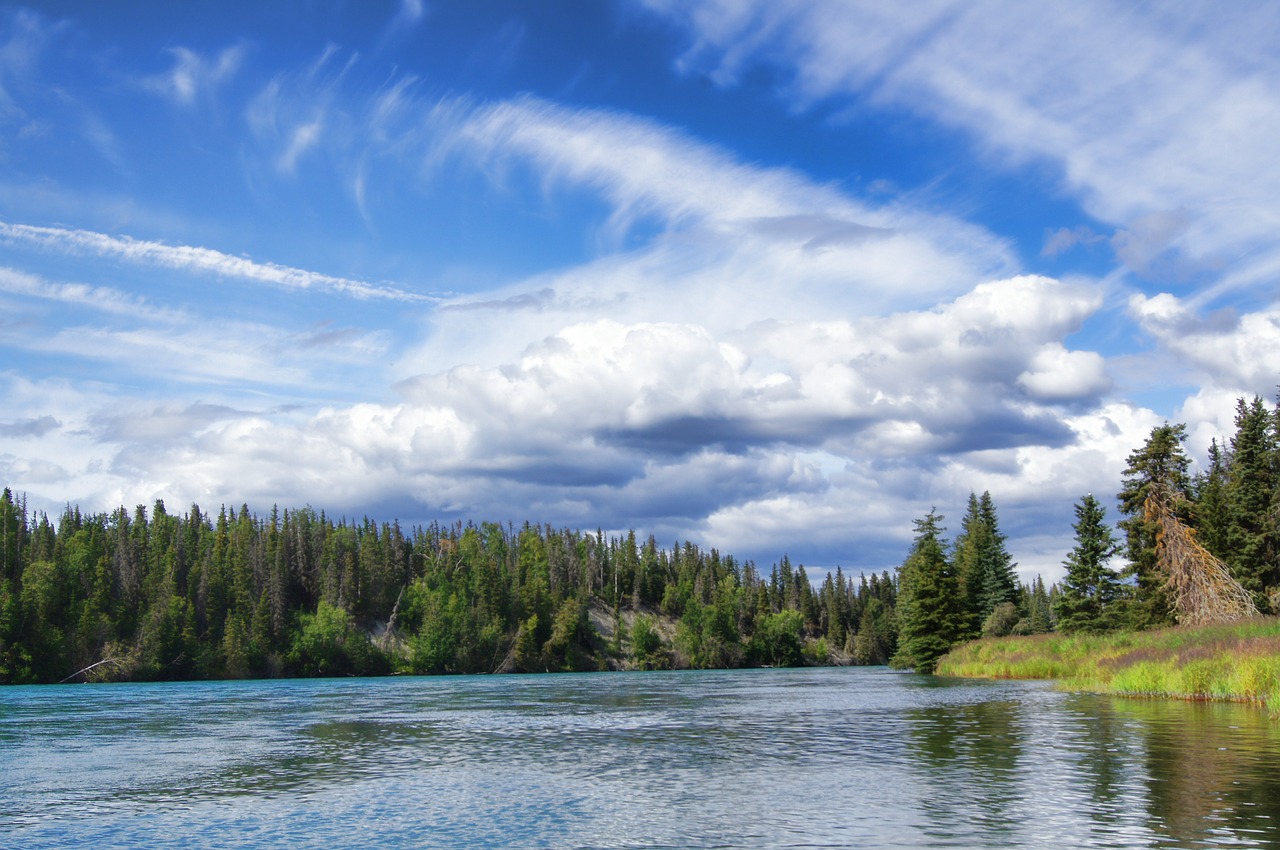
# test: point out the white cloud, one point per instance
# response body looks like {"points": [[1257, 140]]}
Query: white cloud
{"points": [[1144, 110], [196, 259], [1236, 353], [723, 439], [1058, 374], [193, 76]]}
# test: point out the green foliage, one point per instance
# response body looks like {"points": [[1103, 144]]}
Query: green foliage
{"points": [[1091, 589], [1252, 544], [777, 640], [646, 644], [1002, 620], [984, 570], [327, 643], [931, 617], [158, 595], [1233, 661], [1161, 461]]}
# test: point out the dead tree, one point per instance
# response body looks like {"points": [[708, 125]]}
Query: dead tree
{"points": [[1202, 587]]}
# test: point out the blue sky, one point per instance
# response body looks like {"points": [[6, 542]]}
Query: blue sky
{"points": [[774, 278]]}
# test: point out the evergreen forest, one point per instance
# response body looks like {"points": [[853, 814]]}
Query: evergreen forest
{"points": [[153, 595]]}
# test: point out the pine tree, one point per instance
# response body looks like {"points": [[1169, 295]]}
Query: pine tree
{"points": [[966, 556], [1086, 601], [984, 570], [1040, 613], [1252, 545], [999, 582], [1213, 513], [1162, 462], [930, 616]]}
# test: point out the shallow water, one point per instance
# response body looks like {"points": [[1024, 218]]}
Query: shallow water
{"points": [[763, 758]]}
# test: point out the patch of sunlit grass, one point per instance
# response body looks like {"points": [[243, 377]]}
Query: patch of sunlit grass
{"points": [[1226, 661]]}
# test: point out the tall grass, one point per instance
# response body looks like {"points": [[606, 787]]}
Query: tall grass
{"points": [[1237, 661]]}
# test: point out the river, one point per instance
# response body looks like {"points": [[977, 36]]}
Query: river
{"points": [[853, 757]]}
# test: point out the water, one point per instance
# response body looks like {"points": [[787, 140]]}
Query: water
{"points": [[766, 758]]}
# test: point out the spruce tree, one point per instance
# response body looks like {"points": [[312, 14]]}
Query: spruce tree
{"points": [[966, 558], [1252, 546], [1213, 514], [984, 570], [1161, 462], [1086, 600], [930, 617], [999, 582]]}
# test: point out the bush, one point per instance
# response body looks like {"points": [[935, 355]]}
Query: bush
{"points": [[1002, 620]]}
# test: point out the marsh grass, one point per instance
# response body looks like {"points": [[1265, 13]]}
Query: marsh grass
{"points": [[1225, 661]]}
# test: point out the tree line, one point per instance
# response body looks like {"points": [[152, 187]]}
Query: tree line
{"points": [[151, 595], [1232, 508]]}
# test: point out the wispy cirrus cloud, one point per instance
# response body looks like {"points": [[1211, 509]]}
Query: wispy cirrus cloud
{"points": [[193, 75], [1146, 113], [195, 259]]}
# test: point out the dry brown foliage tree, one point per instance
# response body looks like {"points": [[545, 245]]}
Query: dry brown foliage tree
{"points": [[1202, 587]]}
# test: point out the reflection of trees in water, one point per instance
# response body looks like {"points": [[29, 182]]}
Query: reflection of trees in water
{"points": [[1212, 770], [970, 756], [1117, 772]]}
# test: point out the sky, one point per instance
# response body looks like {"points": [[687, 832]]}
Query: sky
{"points": [[774, 278]]}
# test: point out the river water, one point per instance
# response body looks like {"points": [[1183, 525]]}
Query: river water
{"points": [[762, 759]]}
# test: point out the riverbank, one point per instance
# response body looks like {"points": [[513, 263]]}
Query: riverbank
{"points": [[1237, 662]]}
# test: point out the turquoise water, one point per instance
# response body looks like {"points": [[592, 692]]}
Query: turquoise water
{"points": [[764, 758]]}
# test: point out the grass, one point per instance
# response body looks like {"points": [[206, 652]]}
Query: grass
{"points": [[1238, 662]]}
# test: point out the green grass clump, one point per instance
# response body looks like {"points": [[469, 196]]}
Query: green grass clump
{"points": [[1226, 661]]}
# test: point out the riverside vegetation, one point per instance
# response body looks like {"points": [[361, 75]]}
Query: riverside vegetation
{"points": [[148, 595]]}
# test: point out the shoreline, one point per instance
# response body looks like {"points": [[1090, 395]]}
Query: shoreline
{"points": [[1223, 662]]}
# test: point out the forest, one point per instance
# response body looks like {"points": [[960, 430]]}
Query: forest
{"points": [[153, 595]]}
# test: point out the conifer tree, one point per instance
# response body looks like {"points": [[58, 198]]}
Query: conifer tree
{"points": [[1161, 461], [1252, 545], [984, 570], [1086, 601], [999, 582], [1213, 515], [930, 616], [966, 557]]}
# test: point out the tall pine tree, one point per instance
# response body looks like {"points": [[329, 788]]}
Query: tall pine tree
{"points": [[1161, 462], [930, 616], [1252, 545], [1086, 601], [984, 570]]}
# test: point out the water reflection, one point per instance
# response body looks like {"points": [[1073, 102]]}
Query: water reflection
{"points": [[1097, 772], [815, 758]]}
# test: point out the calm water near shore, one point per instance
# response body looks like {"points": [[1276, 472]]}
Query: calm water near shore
{"points": [[763, 758]]}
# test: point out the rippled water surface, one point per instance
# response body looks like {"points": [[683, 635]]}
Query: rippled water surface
{"points": [[765, 758]]}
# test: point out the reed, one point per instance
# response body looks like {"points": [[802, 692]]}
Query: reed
{"points": [[1237, 661]]}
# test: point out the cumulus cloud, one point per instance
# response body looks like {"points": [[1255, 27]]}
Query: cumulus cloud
{"points": [[683, 430], [1237, 353]]}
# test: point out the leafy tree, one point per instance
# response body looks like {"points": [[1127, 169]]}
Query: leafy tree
{"points": [[1002, 621], [328, 643], [646, 644], [930, 617], [777, 640], [1089, 592]]}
